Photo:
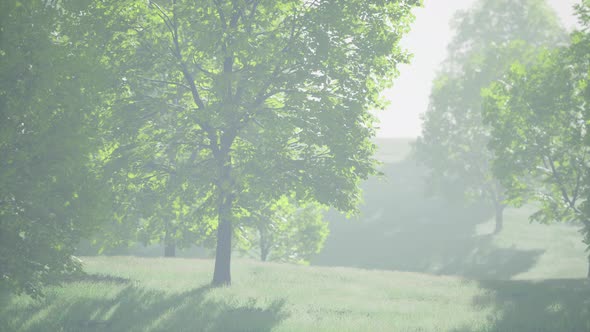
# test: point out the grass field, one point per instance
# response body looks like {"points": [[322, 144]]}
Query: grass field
{"points": [[156, 294], [407, 263]]}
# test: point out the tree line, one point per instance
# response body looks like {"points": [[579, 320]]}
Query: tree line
{"points": [[508, 117]]}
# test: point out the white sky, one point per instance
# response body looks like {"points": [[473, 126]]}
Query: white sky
{"points": [[428, 41]]}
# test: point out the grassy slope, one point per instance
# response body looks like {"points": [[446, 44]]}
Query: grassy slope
{"points": [[402, 229], [156, 294], [516, 281]]}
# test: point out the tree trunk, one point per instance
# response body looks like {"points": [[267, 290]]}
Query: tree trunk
{"points": [[499, 207], [169, 245], [222, 273], [263, 245], [588, 275], [225, 187], [263, 254], [170, 250]]}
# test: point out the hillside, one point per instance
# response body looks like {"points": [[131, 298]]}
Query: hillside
{"points": [[408, 262], [401, 227], [156, 294]]}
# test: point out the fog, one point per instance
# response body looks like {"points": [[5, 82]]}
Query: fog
{"points": [[427, 41], [288, 165]]}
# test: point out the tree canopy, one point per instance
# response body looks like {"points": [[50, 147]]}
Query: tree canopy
{"points": [[489, 37], [50, 192], [539, 118], [234, 100]]}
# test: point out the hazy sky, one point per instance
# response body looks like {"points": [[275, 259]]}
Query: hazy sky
{"points": [[428, 41]]}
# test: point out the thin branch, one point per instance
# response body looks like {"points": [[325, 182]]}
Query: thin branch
{"points": [[205, 71], [166, 82], [191, 82], [579, 178], [252, 13], [238, 13], [203, 161], [221, 15], [171, 24], [162, 14], [149, 177], [560, 184]]}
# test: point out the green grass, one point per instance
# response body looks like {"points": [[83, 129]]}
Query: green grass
{"points": [[157, 294], [413, 263]]}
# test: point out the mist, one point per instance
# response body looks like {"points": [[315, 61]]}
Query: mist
{"points": [[327, 165]]}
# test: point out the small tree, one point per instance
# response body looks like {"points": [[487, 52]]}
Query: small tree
{"points": [[284, 231]]}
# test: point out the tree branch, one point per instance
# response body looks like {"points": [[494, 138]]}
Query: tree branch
{"points": [[211, 133], [579, 176], [560, 185], [221, 15], [203, 70], [166, 82]]}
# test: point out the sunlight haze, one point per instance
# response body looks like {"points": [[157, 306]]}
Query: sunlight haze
{"points": [[429, 36]]}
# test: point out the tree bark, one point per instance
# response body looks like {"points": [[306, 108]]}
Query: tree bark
{"points": [[222, 272], [263, 254], [263, 245], [169, 245], [499, 209], [170, 250], [588, 275], [225, 186]]}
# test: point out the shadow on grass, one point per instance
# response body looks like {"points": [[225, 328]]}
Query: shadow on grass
{"points": [[540, 306], [400, 228], [137, 309]]}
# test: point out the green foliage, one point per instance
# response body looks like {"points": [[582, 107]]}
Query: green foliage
{"points": [[540, 120], [50, 194], [284, 231], [223, 102], [158, 189], [289, 108], [489, 37]]}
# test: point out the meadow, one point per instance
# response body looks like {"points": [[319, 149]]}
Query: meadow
{"points": [[157, 294], [409, 262]]}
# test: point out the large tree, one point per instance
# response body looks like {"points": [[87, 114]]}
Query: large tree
{"points": [[540, 121], [266, 98], [50, 195], [489, 37]]}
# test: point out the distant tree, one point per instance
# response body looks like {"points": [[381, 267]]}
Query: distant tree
{"points": [[160, 194], [283, 231], [50, 189], [540, 122], [489, 37], [266, 97]]}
